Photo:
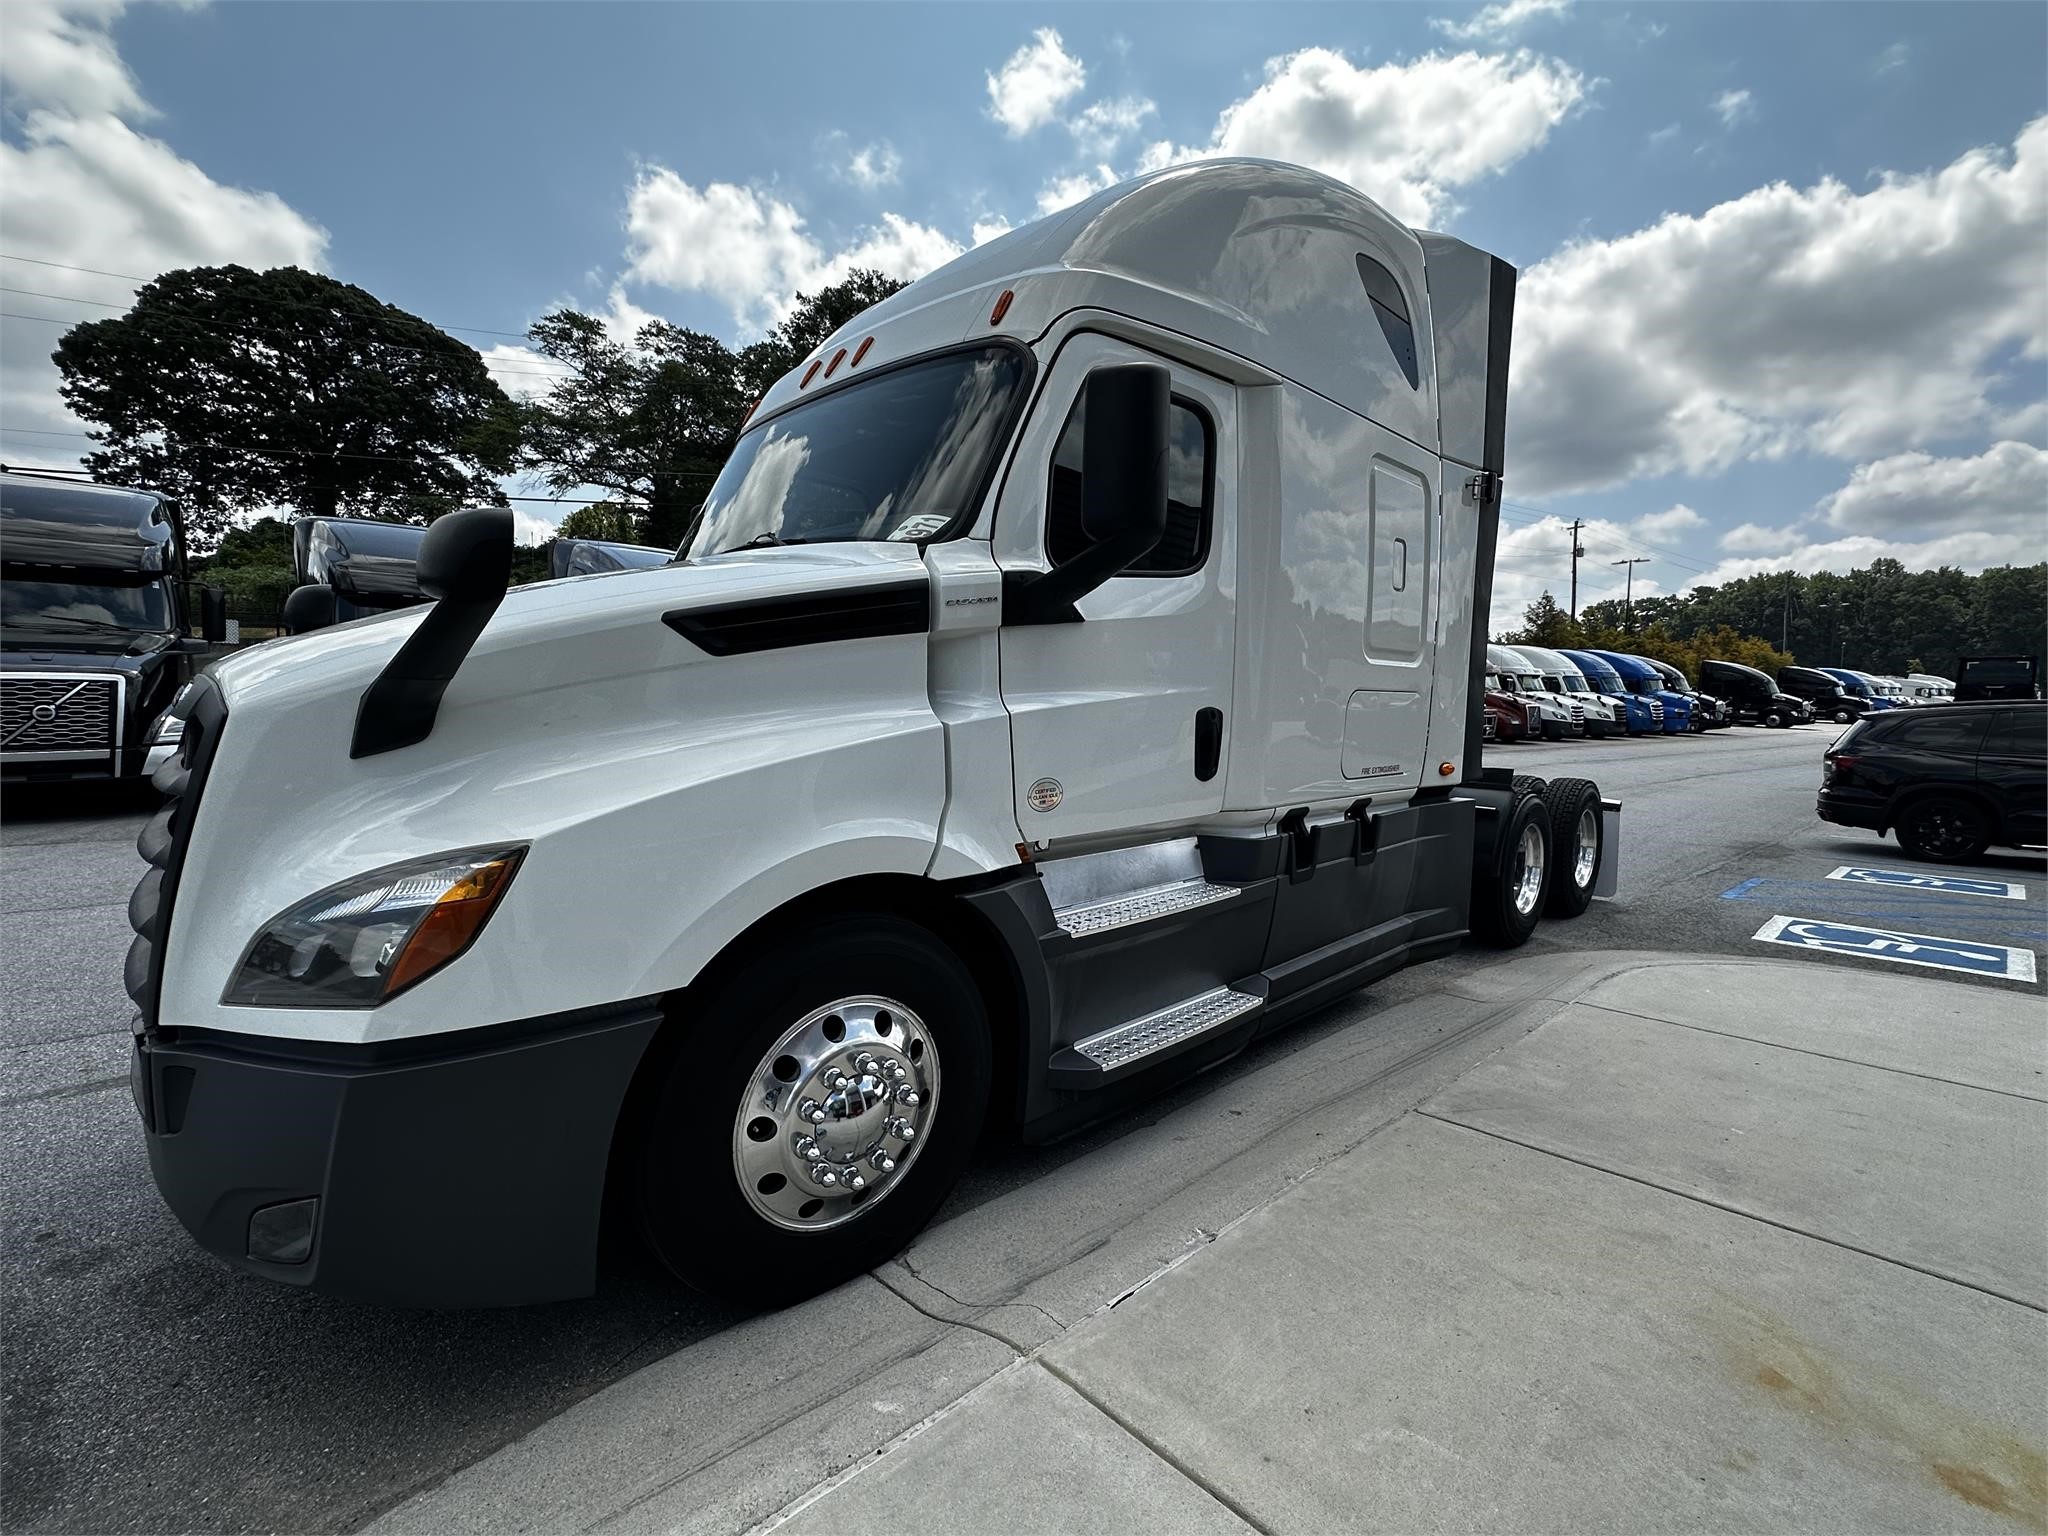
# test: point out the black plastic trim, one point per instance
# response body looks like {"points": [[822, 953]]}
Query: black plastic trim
{"points": [[473, 1178], [1500, 298], [164, 841], [805, 618]]}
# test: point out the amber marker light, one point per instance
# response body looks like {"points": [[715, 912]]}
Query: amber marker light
{"points": [[451, 924], [1002, 307], [860, 352], [1447, 769], [833, 366], [811, 372]]}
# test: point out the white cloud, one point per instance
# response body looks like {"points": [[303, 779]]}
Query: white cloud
{"points": [[1896, 57], [749, 249], [1755, 539], [2002, 490], [85, 189], [1100, 127], [1404, 134], [60, 58], [1734, 107], [1659, 137], [874, 165], [1970, 551], [1669, 523], [1028, 91], [1819, 319], [990, 228], [1495, 22], [1065, 191]]}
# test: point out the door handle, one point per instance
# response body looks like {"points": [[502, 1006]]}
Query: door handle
{"points": [[1401, 578], [1208, 742]]}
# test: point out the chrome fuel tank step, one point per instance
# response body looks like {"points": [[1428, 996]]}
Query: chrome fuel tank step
{"points": [[1099, 892]]}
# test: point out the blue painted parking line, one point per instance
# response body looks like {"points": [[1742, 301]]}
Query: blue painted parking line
{"points": [[1912, 880], [1737, 892], [1929, 951]]}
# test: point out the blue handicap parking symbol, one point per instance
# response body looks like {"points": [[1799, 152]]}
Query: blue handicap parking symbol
{"points": [[1913, 880], [1923, 949]]}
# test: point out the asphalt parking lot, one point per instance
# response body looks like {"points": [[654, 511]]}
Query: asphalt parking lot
{"points": [[148, 1388]]}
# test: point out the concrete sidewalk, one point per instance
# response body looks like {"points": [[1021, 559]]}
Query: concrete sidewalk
{"points": [[1645, 1244]]}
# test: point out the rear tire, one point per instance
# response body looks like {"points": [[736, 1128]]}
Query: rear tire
{"points": [[1507, 894], [1945, 828], [759, 1046], [1577, 840]]}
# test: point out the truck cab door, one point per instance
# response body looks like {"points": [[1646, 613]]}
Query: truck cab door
{"points": [[1120, 722]]}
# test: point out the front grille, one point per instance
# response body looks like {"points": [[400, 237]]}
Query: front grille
{"points": [[1657, 710], [163, 843], [50, 713], [1578, 713]]}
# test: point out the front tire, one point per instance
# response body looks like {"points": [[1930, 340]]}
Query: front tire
{"points": [[1843, 716], [773, 1162], [1944, 828], [1507, 894]]}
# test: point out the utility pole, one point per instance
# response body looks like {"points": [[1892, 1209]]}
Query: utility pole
{"points": [[1578, 553], [1628, 597], [1785, 625]]}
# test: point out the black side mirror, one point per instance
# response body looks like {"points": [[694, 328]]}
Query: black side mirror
{"points": [[213, 614], [466, 557], [309, 608], [1123, 491]]}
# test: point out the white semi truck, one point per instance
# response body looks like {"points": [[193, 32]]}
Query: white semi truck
{"points": [[1069, 678]]}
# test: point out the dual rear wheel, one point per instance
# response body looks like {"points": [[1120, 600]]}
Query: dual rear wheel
{"points": [[1546, 858]]}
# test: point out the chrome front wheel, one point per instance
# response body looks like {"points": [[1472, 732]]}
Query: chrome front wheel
{"points": [[835, 1113]]}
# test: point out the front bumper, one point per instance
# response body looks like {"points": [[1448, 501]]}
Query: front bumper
{"points": [[472, 1174]]}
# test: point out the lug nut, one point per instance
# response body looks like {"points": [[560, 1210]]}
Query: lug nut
{"points": [[823, 1175], [882, 1161], [807, 1149], [896, 1072], [865, 1063], [904, 1130], [812, 1111], [856, 1181], [907, 1097], [835, 1078]]}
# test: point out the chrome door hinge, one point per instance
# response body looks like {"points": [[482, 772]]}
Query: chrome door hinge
{"points": [[1483, 488]]}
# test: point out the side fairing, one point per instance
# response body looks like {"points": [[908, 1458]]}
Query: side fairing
{"points": [[670, 797]]}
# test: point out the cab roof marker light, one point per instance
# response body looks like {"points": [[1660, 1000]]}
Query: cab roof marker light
{"points": [[811, 372], [1002, 307], [833, 366], [860, 352]]}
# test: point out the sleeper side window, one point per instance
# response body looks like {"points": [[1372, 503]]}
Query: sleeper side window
{"points": [[1390, 308], [1190, 494]]}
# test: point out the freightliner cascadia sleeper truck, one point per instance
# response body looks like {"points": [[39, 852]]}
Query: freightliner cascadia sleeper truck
{"points": [[1070, 677]]}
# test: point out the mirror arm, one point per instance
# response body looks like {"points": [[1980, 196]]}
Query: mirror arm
{"points": [[465, 561], [1048, 597]]}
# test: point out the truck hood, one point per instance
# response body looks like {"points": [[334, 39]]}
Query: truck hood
{"points": [[81, 650], [552, 623]]}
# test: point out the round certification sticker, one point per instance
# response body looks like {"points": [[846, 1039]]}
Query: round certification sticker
{"points": [[1044, 795]]}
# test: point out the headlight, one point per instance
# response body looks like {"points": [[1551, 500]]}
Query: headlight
{"points": [[357, 943]]}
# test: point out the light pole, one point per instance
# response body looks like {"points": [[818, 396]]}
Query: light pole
{"points": [[1628, 592], [1578, 553]]}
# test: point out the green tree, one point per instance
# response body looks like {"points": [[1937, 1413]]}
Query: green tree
{"points": [[602, 520], [652, 420], [233, 390], [266, 542], [1546, 624]]}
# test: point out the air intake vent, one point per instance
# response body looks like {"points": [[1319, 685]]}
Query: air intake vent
{"points": [[807, 618]]}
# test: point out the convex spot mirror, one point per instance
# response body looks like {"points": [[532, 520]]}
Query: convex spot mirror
{"points": [[466, 557]]}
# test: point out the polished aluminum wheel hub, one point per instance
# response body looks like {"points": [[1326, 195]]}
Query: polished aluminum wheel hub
{"points": [[1528, 871], [1586, 848], [835, 1113]]}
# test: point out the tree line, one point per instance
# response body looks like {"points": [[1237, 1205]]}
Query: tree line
{"points": [[1882, 618], [235, 391]]}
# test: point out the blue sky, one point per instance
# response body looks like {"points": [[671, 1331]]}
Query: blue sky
{"points": [[1727, 215]]}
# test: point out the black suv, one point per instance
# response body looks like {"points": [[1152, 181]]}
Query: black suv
{"points": [[1950, 779]]}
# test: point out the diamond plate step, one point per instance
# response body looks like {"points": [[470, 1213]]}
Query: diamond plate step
{"points": [[1169, 1027], [1140, 906]]}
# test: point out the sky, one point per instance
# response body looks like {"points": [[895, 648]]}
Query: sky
{"points": [[1784, 269]]}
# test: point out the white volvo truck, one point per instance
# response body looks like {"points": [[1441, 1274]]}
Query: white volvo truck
{"points": [[1069, 678]]}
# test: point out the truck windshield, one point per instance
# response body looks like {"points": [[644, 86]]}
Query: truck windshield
{"points": [[899, 457], [1604, 682], [85, 605]]}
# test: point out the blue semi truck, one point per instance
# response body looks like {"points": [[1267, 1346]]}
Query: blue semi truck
{"points": [[1640, 676], [1645, 712]]}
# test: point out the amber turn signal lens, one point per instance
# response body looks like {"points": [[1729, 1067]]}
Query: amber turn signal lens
{"points": [[1447, 769], [452, 924]]}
